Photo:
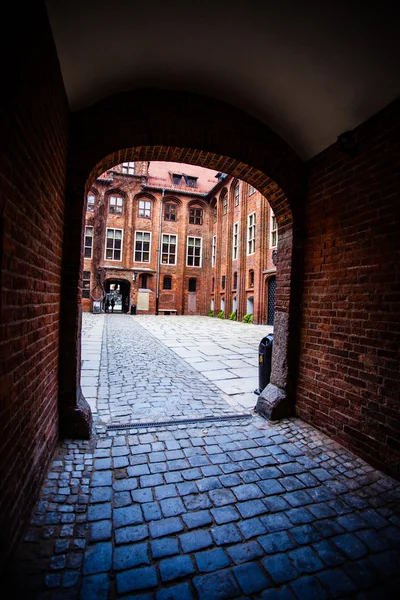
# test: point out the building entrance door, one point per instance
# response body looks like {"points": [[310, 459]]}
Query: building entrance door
{"points": [[271, 300]]}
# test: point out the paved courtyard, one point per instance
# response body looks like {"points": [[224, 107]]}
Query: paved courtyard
{"points": [[236, 508], [151, 368]]}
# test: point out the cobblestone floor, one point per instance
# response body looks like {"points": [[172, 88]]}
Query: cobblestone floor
{"points": [[237, 509], [141, 379]]}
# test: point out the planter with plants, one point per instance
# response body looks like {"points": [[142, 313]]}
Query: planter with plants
{"points": [[210, 313], [247, 319], [233, 316]]}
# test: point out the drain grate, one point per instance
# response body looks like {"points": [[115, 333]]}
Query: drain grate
{"points": [[230, 417]]}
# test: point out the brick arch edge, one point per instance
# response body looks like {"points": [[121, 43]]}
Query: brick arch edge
{"points": [[189, 129]]}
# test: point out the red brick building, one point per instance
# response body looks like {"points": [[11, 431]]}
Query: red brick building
{"points": [[171, 238]]}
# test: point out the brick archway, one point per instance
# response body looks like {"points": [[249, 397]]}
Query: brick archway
{"points": [[181, 127]]}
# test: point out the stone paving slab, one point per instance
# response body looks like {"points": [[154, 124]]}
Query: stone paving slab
{"points": [[224, 510], [231, 345]]}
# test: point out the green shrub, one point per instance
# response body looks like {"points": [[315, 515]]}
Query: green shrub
{"points": [[210, 313], [233, 316], [247, 319], [221, 315]]}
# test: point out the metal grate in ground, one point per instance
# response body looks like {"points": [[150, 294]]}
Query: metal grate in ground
{"points": [[172, 422]]}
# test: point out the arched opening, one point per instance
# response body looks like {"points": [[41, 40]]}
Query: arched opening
{"points": [[268, 165], [119, 291]]}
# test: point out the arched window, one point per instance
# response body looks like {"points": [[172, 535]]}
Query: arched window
{"points": [[235, 277], [225, 203], [251, 278], [90, 202], [115, 206], [170, 211], [144, 209], [167, 282], [237, 194], [192, 284], [214, 209], [196, 216], [274, 231]]}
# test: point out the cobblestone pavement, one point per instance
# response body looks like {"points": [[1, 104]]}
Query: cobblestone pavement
{"points": [[141, 379], [239, 510]]}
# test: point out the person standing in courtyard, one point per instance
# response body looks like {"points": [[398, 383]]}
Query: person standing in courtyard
{"points": [[107, 305], [112, 304]]}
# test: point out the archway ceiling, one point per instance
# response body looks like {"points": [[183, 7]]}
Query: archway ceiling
{"points": [[310, 70]]}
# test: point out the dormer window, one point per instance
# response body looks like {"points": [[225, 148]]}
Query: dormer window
{"points": [[190, 181], [128, 168], [176, 179]]}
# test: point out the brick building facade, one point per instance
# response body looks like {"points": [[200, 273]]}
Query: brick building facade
{"points": [[172, 238]]}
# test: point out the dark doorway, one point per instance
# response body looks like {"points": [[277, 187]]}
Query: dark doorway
{"points": [[119, 289], [271, 300]]}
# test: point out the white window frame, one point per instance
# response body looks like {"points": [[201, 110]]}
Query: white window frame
{"points": [[113, 248], [128, 168], [116, 205], [85, 245], [251, 233], [141, 251], [273, 231], [144, 209], [214, 251], [194, 237], [235, 241], [169, 243]]}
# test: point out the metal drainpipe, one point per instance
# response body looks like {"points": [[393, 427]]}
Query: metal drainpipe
{"points": [[159, 250]]}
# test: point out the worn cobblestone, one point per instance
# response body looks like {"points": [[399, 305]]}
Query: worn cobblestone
{"points": [[283, 513]]}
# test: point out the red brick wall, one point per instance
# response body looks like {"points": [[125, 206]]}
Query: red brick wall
{"points": [[349, 365], [32, 165]]}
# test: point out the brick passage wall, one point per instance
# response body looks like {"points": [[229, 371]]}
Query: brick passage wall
{"points": [[32, 175], [349, 367]]}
